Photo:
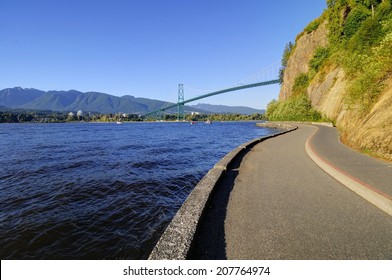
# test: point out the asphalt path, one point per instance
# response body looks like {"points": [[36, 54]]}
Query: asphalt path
{"points": [[375, 173], [276, 203]]}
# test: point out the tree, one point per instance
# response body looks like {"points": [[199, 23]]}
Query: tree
{"points": [[285, 58], [286, 53], [372, 3], [331, 3]]}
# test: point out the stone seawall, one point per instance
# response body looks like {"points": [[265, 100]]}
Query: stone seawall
{"points": [[176, 241]]}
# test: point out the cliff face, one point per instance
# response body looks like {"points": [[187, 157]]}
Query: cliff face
{"points": [[301, 56], [327, 90]]}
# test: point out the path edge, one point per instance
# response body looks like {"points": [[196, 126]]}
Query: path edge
{"points": [[176, 241], [367, 192]]}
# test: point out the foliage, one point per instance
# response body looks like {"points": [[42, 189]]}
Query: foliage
{"points": [[320, 55], [20, 116], [286, 53], [335, 3], [367, 58], [370, 3], [360, 40], [368, 70], [296, 108], [225, 117], [367, 36], [300, 84], [335, 23], [354, 20], [285, 58], [313, 25]]}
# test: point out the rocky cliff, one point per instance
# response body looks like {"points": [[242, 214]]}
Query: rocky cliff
{"points": [[303, 52], [364, 125]]}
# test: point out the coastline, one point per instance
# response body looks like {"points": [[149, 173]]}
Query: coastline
{"points": [[176, 241]]}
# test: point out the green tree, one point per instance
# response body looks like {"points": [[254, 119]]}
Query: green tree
{"points": [[354, 20], [285, 58], [296, 108]]}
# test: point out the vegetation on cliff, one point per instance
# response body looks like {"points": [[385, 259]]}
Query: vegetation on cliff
{"points": [[360, 36], [342, 64], [298, 108], [360, 40]]}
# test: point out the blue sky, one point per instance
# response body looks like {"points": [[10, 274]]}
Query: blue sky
{"points": [[145, 48]]}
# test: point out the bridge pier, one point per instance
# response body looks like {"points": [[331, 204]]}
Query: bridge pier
{"points": [[180, 103]]}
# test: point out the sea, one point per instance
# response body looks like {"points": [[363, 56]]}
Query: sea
{"points": [[75, 191]]}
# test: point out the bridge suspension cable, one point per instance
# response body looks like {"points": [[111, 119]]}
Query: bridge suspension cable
{"points": [[241, 87], [268, 74]]}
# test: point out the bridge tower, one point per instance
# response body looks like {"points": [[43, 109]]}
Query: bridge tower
{"points": [[180, 103]]}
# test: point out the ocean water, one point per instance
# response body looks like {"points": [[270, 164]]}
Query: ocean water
{"points": [[102, 191]]}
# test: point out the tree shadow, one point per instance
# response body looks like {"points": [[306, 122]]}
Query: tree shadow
{"points": [[209, 242]]}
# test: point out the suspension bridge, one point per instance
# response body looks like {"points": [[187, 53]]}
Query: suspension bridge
{"points": [[181, 99]]}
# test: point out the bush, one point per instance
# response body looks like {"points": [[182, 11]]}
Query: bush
{"points": [[300, 84], [271, 108], [354, 20], [320, 55], [297, 108], [313, 26], [369, 34]]}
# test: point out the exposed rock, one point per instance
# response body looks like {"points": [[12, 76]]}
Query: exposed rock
{"points": [[371, 132], [299, 59], [326, 93]]}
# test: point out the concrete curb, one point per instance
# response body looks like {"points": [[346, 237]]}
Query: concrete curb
{"points": [[367, 192], [176, 241]]}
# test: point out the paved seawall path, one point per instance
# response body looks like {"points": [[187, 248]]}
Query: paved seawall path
{"points": [[276, 203]]}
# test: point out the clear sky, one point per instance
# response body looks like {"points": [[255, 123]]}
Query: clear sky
{"points": [[145, 48]]}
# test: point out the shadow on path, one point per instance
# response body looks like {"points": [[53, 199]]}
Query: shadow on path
{"points": [[209, 242]]}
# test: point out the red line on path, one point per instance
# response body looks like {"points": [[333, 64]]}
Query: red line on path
{"points": [[387, 196]]}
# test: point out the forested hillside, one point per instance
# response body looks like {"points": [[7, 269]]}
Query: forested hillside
{"points": [[340, 69]]}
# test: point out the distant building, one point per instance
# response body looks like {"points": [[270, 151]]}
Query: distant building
{"points": [[71, 114], [79, 113]]}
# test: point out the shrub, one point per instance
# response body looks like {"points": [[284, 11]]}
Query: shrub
{"points": [[296, 108], [271, 108], [368, 35], [300, 84], [313, 26], [320, 55], [354, 20]]}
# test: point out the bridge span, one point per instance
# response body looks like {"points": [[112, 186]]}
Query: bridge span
{"points": [[181, 102]]}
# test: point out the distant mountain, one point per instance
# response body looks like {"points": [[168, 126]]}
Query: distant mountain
{"points": [[15, 97], [228, 109], [73, 100]]}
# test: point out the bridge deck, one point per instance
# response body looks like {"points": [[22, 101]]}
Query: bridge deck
{"points": [[215, 93]]}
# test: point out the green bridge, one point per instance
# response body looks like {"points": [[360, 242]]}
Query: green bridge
{"points": [[181, 101]]}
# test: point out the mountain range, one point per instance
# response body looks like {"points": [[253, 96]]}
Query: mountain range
{"points": [[73, 100]]}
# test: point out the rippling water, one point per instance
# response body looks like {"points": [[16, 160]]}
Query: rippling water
{"points": [[101, 191]]}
